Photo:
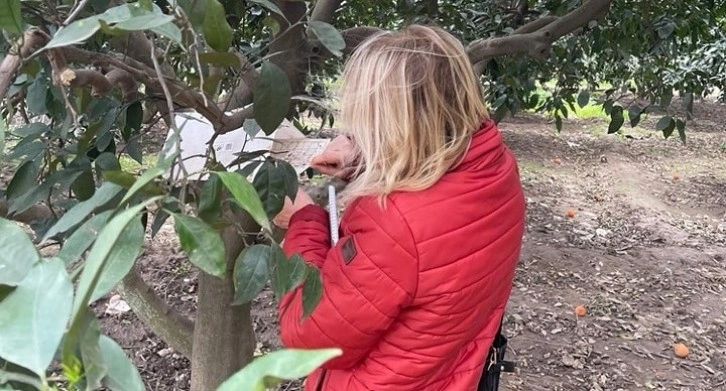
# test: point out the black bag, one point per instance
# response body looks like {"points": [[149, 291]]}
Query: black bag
{"points": [[495, 364]]}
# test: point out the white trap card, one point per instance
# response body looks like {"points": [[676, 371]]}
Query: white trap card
{"points": [[285, 143]]}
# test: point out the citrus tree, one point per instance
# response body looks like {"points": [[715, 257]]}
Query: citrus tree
{"points": [[84, 83]]}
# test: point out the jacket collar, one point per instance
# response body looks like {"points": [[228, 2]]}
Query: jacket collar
{"points": [[485, 148]]}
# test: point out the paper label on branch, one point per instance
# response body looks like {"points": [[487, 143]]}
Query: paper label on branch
{"points": [[285, 143]]}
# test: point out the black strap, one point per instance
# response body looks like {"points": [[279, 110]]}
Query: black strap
{"points": [[495, 363]]}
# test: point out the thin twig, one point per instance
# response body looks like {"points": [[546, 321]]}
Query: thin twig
{"points": [[77, 10], [174, 127]]}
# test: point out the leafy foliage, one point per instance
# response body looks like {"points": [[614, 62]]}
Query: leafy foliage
{"points": [[270, 370]]}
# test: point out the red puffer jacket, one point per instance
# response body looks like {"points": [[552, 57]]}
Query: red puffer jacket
{"points": [[413, 293]]}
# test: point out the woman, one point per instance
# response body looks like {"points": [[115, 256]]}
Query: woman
{"points": [[414, 290]]}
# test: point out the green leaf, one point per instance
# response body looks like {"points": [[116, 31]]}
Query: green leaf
{"points": [[122, 374], [75, 32], [31, 130], [94, 368], [17, 253], [134, 117], [10, 19], [616, 119], [144, 22], [215, 28], [161, 216], [128, 181], [558, 123], [312, 290], [33, 317], [29, 147], [271, 97], [270, 6], [3, 130], [251, 127], [120, 260], [107, 192], [287, 274], [84, 186], [210, 200], [140, 183], [251, 272], [133, 149], [106, 161], [270, 185], [105, 246], [220, 59], [194, 10], [267, 371], [202, 244], [290, 177], [246, 196], [663, 123], [37, 94], [83, 237], [170, 30], [61, 178], [329, 36], [634, 112], [23, 180], [681, 126], [583, 98]]}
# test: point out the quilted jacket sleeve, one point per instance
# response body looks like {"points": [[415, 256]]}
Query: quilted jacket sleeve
{"points": [[368, 278]]}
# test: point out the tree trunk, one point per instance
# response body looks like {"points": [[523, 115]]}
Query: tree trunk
{"points": [[170, 325], [224, 337]]}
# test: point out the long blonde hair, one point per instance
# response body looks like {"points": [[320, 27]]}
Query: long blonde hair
{"points": [[411, 102]]}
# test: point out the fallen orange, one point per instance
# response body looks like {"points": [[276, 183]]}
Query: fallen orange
{"points": [[571, 213], [580, 311], [680, 350]]}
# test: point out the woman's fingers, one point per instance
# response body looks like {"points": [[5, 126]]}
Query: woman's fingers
{"points": [[302, 199], [327, 163], [337, 159]]}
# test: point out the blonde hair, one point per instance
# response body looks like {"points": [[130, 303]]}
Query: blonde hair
{"points": [[411, 102]]}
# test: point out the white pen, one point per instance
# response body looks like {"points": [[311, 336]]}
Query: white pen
{"points": [[333, 212]]}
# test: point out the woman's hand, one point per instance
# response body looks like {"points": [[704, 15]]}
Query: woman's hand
{"points": [[338, 159], [302, 199]]}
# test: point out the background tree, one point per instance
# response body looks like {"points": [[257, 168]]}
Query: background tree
{"points": [[89, 80]]}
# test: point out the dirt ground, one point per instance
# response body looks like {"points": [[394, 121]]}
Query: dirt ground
{"points": [[645, 254]]}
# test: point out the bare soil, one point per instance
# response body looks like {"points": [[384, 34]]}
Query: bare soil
{"points": [[645, 254]]}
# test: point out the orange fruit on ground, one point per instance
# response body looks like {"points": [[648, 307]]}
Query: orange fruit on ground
{"points": [[676, 177], [680, 350], [571, 213], [580, 311], [557, 160]]}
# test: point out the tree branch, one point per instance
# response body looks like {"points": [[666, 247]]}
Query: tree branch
{"points": [[324, 10], [170, 325], [34, 213], [535, 25], [536, 38], [33, 39], [241, 94]]}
